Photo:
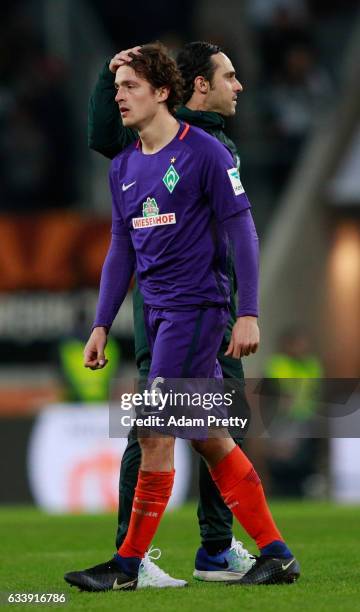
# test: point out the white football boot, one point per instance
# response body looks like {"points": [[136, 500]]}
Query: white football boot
{"points": [[151, 575]]}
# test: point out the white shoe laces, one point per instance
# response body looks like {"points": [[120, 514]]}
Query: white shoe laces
{"points": [[239, 549], [153, 554]]}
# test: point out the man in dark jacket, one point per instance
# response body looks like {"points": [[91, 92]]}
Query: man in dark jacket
{"points": [[211, 91]]}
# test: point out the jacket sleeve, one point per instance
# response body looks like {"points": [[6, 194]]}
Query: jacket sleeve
{"points": [[106, 133]]}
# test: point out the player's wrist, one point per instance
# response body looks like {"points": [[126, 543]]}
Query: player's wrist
{"points": [[101, 327]]}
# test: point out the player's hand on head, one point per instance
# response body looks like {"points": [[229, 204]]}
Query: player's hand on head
{"points": [[123, 57], [245, 338], [94, 351]]}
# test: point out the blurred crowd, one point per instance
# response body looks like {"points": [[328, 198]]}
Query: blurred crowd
{"points": [[295, 85], [301, 45], [36, 124]]}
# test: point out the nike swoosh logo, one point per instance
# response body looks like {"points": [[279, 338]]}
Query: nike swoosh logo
{"points": [[285, 567], [126, 187], [123, 585], [222, 565]]}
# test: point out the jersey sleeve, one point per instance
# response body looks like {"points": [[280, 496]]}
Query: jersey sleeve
{"points": [[245, 255], [118, 226], [222, 184], [116, 274], [118, 266]]}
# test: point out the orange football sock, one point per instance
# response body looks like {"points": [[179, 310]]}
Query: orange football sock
{"points": [[241, 489], [152, 494]]}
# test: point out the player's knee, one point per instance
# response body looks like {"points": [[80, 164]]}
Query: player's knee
{"points": [[213, 449], [209, 447], [156, 444], [157, 454]]}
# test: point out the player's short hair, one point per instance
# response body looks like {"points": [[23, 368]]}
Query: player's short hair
{"points": [[155, 65], [195, 60]]}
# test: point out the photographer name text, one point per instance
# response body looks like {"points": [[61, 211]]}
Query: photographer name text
{"points": [[183, 421]]}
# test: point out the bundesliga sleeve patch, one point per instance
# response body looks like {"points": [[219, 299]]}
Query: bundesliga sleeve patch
{"points": [[234, 177]]}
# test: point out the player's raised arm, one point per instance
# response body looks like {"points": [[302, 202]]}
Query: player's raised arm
{"points": [[106, 133]]}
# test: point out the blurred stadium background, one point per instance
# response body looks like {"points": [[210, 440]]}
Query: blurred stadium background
{"points": [[298, 132]]}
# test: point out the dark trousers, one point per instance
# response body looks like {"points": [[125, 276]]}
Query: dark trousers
{"points": [[215, 519]]}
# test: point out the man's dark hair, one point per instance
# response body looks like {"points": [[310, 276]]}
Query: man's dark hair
{"points": [[155, 65], [195, 60]]}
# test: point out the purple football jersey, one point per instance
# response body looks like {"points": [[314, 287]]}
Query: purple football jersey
{"points": [[172, 203]]}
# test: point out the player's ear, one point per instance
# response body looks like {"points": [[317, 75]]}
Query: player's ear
{"points": [[201, 85], [163, 93]]}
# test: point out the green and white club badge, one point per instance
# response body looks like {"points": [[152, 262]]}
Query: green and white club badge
{"points": [[171, 178]]}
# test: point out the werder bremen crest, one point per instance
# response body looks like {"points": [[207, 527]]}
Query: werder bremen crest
{"points": [[171, 178], [150, 208]]}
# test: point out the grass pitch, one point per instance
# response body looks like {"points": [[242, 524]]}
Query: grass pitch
{"points": [[37, 549]]}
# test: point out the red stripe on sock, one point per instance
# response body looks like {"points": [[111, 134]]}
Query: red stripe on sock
{"points": [[252, 476]]}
